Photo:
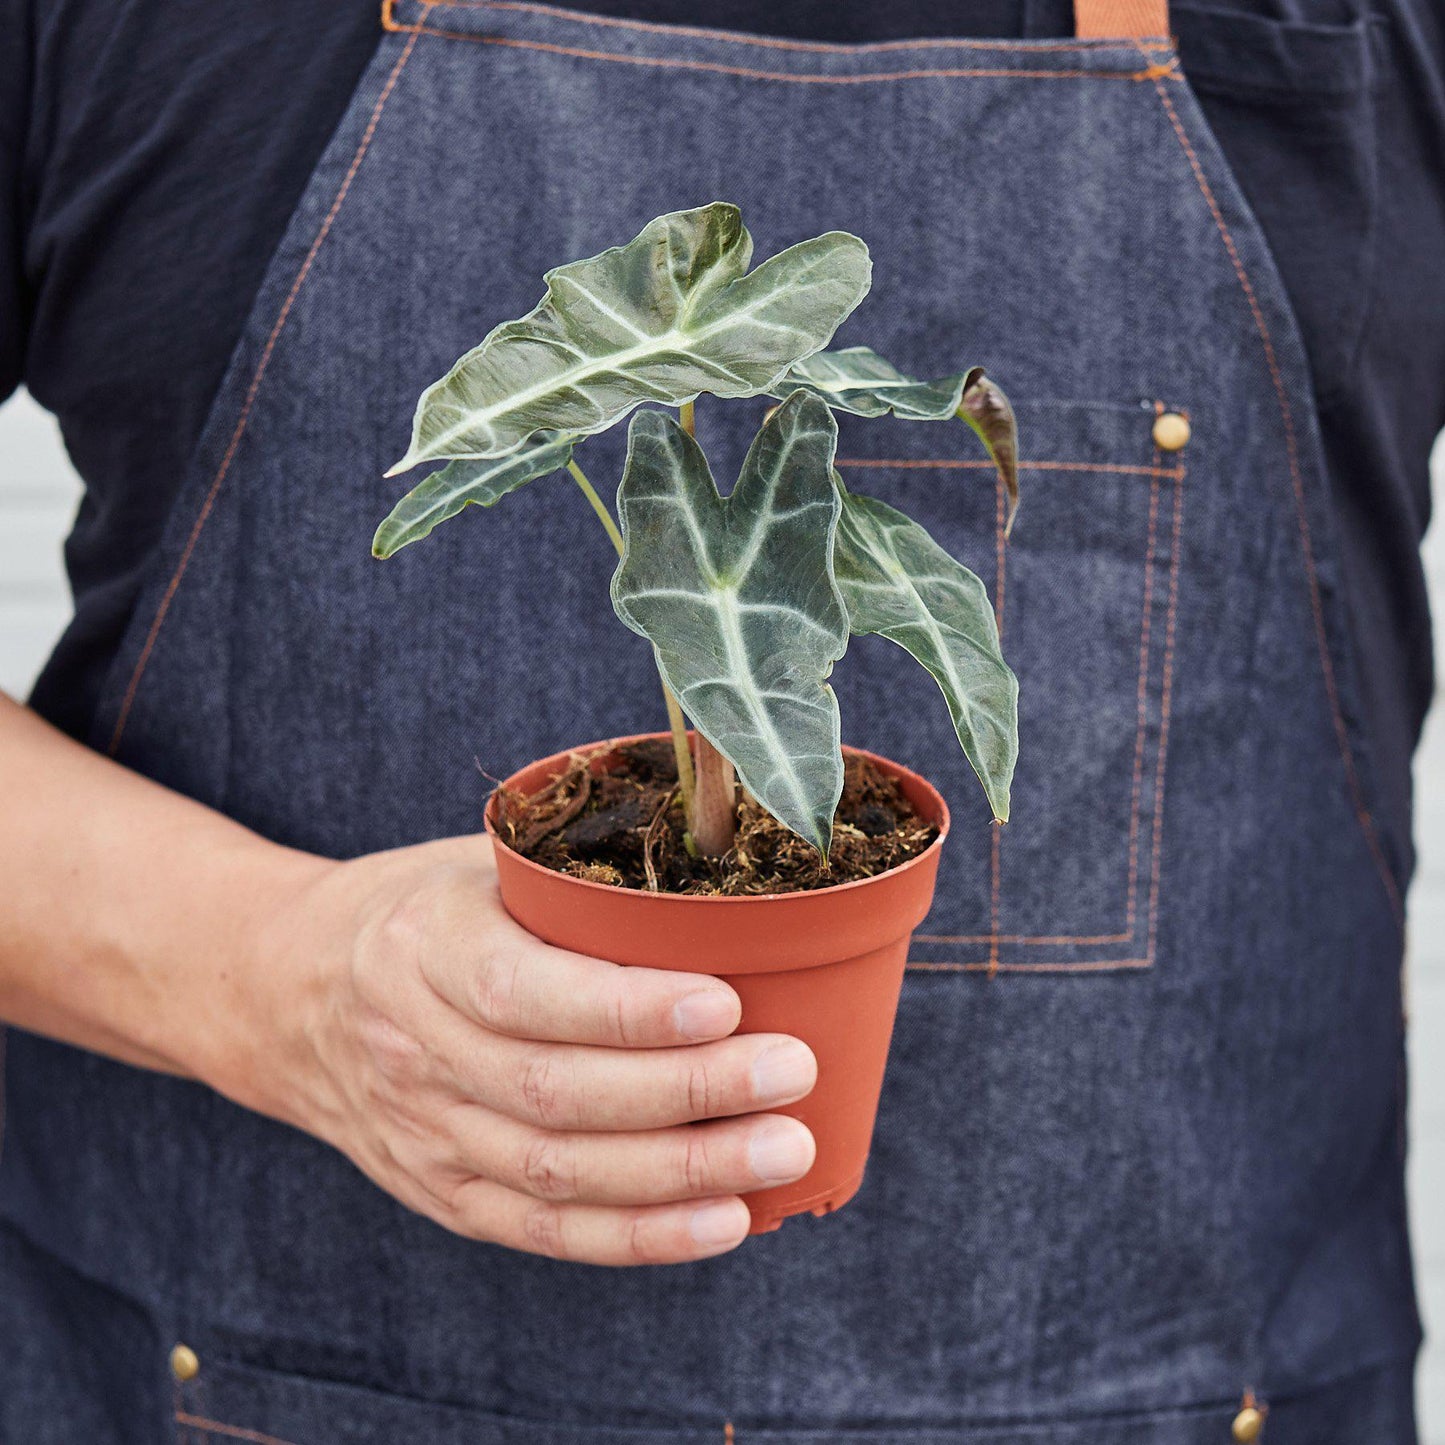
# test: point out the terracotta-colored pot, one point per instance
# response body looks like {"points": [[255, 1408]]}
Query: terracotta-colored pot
{"points": [[825, 966]]}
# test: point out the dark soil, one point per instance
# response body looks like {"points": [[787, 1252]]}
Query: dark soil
{"points": [[626, 828]]}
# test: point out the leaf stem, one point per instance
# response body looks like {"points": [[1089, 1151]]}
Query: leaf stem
{"points": [[686, 783], [598, 505], [712, 801], [676, 721], [714, 819]]}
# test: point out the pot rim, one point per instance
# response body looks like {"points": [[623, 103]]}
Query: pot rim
{"points": [[895, 769]]}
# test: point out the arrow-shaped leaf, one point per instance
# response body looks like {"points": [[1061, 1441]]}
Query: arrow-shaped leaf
{"points": [[669, 315], [898, 582], [857, 379], [737, 597], [467, 483]]}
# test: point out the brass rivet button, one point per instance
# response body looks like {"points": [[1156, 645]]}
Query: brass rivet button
{"points": [[186, 1364], [1250, 1421], [1171, 431]]}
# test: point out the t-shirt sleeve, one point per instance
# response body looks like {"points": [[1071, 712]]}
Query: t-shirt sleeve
{"points": [[15, 60]]}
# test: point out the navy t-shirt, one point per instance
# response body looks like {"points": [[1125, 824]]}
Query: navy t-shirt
{"points": [[151, 152]]}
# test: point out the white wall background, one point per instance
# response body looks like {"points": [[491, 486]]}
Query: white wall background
{"points": [[38, 496]]}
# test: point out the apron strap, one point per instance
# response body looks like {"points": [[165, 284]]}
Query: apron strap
{"points": [[1121, 19]]}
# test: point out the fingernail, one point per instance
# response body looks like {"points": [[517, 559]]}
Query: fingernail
{"points": [[780, 1152], [783, 1073], [707, 1014], [724, 1221]]}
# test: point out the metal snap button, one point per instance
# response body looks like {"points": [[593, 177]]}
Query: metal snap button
{"points": [[185, 1363], [1250, 1421], [1171, 431]]}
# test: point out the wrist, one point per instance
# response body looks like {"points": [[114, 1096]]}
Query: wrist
{"points": [[263, 970]]}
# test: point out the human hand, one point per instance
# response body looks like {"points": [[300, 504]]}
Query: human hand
{"points": [[511, 1091]]}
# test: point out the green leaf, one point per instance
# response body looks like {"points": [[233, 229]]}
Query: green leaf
{"points": [[988, 411], [459, 484], [857, 379], [669, 315], [898, 582], [737, 597]]}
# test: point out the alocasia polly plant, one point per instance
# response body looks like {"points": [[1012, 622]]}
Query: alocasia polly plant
{"points": [[747, 599]]}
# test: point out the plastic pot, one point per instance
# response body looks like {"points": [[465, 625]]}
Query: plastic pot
{"points": [[825, 966]]}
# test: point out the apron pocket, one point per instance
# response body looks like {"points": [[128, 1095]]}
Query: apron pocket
{"points": [[1086, 589]]}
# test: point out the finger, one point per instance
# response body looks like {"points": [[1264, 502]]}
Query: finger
{"points": [[499, 975], [598, 1234], [660, 1166], [573, 1086]]}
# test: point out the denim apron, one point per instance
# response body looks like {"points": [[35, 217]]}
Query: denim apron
{"points": [[1137, 1170]]}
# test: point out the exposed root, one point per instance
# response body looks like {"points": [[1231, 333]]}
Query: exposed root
{"points": [[656, 830]]}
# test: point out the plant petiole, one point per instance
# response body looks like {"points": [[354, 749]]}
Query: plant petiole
{"points": [[676, 721]]}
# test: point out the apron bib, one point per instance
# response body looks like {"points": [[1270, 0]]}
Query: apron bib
{"points": [[1139, 1153]]}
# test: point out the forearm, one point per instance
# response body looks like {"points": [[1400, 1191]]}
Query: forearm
{"points": [[126, 911], [388, 1005]]}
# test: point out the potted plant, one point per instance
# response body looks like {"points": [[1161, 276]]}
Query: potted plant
{"points": [[803, 886]]}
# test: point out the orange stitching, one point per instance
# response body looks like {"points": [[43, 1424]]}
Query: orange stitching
{"points": [[969, 464], [1000, 556], [232, 1432], [773, 42], [1342, 737], [1037, 939], [995, 887], [1165, 710], [241, 422], [728, 1434], [1107, 966], [748, 73], [1143, 705]]}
